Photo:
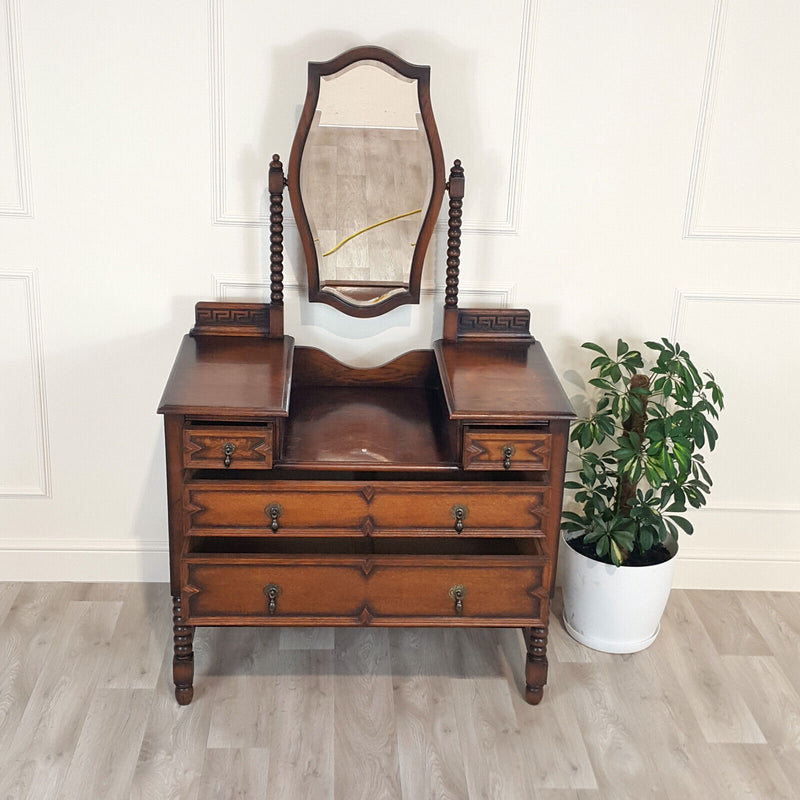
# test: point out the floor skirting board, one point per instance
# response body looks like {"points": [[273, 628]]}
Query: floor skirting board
{"points": [[115, 560], [83, 560]]}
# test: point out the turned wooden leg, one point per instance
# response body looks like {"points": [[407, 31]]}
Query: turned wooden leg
{"points": [[535, 663], [183, 658]]}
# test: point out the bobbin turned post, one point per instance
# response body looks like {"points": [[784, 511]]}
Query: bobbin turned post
{"points": [[535, 663], [277, 180], [455, 189], [183, 655]]}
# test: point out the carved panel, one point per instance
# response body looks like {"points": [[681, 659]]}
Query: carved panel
{"points": [[233, 319], [494, 323]]}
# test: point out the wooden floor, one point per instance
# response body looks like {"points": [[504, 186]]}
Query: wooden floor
{"points": [[711, 710]]}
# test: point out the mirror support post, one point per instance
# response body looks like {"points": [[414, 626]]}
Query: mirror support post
{"points": [[277, 181], [455, 189]]}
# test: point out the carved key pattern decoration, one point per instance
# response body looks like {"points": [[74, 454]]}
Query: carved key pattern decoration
{"points": [[232, 316], [492, 322]]}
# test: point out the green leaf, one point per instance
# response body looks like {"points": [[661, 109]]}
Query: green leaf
{"points": [[595, 347], [616, 554], [684, 524], [711, 433], [602, 383], [622, 348]]}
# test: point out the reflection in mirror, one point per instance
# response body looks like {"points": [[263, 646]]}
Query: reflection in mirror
{"points": [[367, 163], [366, 176]]}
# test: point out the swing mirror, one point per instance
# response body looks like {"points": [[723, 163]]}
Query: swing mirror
{"points": [[366, 180]]}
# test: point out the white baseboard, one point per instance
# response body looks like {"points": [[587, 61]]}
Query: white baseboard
{"points": [[746, 570], [109, 561], [84, 560]]}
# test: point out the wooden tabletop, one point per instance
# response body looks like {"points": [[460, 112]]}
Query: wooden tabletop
{"points": [[229, 375], [504, 381]]}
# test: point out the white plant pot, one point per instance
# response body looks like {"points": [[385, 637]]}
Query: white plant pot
{"points": [[613, 609]]}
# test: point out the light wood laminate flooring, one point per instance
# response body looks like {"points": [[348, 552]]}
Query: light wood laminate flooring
{"points": [[711, 710]]}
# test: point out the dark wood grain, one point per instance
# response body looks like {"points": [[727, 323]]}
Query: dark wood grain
{"points": [[386, 507], [316, 368], [509, 381], [369, 428], [230, 375], [362, 590]]}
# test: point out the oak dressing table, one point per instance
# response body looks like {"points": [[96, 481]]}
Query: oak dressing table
{"points": [[302, 491]]}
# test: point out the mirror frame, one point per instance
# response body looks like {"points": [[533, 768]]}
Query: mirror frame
{"points": [[316, 70]]}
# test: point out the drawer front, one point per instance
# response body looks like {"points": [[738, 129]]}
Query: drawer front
{"points": [[229, 448], [463, 509], [379, 509], [278, 507], [506, 449], [347, 590]]}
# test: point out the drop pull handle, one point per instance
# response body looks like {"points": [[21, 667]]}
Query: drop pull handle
{"points": [[273, 511], [457, 594], [272, 592], [227, 451], [508, 451], [459, 513]]}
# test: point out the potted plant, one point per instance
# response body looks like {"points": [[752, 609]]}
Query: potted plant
{"points": [[640, 466]]}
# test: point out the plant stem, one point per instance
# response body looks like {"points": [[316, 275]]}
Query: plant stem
{"points": [[626, 490]]}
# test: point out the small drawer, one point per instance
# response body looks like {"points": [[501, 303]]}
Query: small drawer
{"points": [[381, 589], [506, 449], [231, 447]]}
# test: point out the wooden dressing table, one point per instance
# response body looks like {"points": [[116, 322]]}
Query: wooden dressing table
{"points": [[302, 491]]}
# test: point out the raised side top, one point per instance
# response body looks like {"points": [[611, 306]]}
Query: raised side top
{"points": [[509, 381], [230, 375]]}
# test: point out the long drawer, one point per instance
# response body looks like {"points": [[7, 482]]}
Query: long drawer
{"points": [[381, 508], [344, 589]]}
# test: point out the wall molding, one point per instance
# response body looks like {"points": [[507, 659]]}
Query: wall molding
{"points": [[519, 137], [683, 298], [23, 206], [30, 279], [691, 227]]}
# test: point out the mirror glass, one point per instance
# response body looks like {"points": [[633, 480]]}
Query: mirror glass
{"points": [[365, 178]]}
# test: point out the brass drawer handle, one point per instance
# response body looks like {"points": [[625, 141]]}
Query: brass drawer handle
{"points": [[508, 451], [273, 511], [272, 591], [457, 594], [227, 451], [459, 513]]}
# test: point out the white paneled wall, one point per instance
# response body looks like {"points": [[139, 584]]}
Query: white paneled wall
{"points": [[632, 170]]}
